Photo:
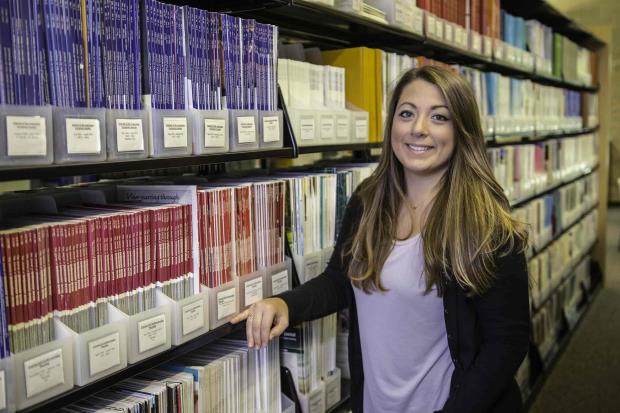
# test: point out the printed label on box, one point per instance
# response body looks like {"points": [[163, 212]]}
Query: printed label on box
{"points": [[2, 390], [332, 391], [83, 136], [104, 353], [44, 372], [175, 132], [253, 291], [316, 402], [215, 133], [476, 42], [226, 303], [271, 128], [129, 135], [487, 43], [193, 316], [430, 24], [26, 136], [327, 127], [439, 28], [312, 269], [246, 129], [151, 333], [418, 20], [306, 127], [279, 282], [449, 32], [361, 128], [342, 127]]}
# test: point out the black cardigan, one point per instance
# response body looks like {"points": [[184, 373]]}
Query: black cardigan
{"points": [[488, 335]]}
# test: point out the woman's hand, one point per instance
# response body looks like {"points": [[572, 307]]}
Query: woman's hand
{"points": [[266, 319]]}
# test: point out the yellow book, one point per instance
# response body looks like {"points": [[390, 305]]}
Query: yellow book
{"points": [[363, 81]]}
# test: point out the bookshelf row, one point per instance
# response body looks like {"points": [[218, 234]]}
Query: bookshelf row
{"points": [[109, 111], [333, 26], [579, 290], [52, 171]]}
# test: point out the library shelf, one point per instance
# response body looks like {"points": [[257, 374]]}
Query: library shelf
{"points": [[586, 252], [522, 202], [78, 393], [546, 14], [518, 139], [560, 347], [91, 168], [329, 28], [565, 230], [340, 147]]}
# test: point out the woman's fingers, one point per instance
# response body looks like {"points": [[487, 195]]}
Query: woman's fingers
{"points": [[266, 323], [260, 319], [278, 329], [257, 319], [240, 317]]}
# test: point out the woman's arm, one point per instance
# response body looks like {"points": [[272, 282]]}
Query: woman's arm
{"points": [[316, 298], [326, 293], [503, 318]]}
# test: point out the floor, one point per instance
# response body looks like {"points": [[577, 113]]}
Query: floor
{"points": [[586, 378]]}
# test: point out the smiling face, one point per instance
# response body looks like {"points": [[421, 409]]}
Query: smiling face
{"points": [[422, 135]]}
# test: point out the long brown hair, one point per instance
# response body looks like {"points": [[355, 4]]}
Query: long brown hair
{"points": [[469, 222]]}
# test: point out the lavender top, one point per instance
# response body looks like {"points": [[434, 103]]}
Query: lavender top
{"points": [[407, 363]]}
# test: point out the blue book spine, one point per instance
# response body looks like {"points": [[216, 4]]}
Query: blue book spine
{"points": [[216, 59], [123, 48], [147, 45], [44, 83], [78, 37], [31, 52], [16, 50], [6, 51], [136, 89]]}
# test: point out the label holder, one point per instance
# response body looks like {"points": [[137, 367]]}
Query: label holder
{"points": [[111, 355], [189, 316], [79, 135], [39, 114]]}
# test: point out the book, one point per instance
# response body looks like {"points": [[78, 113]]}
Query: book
{"points": [[363, 75], [24, 62]]}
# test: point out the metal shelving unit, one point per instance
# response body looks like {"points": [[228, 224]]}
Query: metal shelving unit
{"points": [[328, 28]]}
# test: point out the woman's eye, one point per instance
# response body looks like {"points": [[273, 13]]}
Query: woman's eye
{"points": [[405, 114], [440, 118]]}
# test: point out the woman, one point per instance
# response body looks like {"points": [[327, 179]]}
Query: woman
{"points": [[430, 263]]}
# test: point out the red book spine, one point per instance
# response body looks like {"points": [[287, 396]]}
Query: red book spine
{"points": [[40, 248], [176, 237], [18, 310], [35, 248], [134, 278], [201, 237], [15, 268], [108, 256], [126, 277], [218, 232], [73, 266], [22, 274], [188, 241], [91, 258], [153, 249], [28, 274], [158, 259], [85, 294], [146, 248], [119, 262], [229, 251]]}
